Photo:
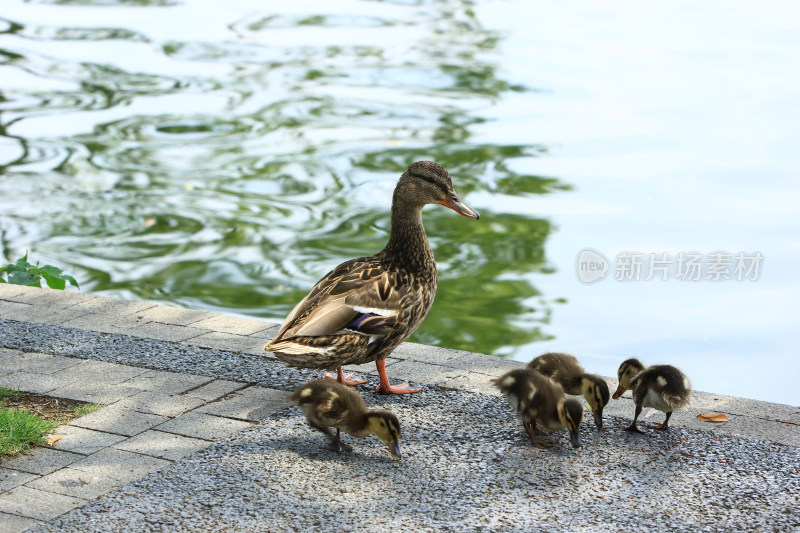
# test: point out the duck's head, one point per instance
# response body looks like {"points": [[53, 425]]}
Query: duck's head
{"points": [[627, 371], [570, 412], [426, 182], [595, 390], [387, 428]]}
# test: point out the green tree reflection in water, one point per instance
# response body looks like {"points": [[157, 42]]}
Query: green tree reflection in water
{"points": [[269, 156], [483, 301]]}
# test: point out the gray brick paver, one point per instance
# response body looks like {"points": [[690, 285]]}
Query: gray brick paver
{"points": [[252, 403], [235, 325], [160, 403], [119, 419], [11, 523], [216, 389], [77, 483], [37, 363], [203, 426], [38, 504], [169, 382], [230, 342], [165, 332], [84, 441], [120, 465], [164, 445], [42, 460], [38, 383], [12, 478]]}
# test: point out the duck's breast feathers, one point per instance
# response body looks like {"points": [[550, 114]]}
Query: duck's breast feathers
{"points": [[667, 382]]}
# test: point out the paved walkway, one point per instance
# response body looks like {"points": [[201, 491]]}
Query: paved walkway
{"points": [[155, 417]]}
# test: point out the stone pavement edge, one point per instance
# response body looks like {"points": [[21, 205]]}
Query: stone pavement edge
{"points": [[154, 417]]}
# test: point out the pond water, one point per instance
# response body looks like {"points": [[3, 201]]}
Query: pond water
{"points": [[225, 155]]}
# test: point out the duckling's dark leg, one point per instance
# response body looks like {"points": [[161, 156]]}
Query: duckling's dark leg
{"points": [[336, 443], [345, 380], [633, 426], [542, 444], [535, 428], [664, 424], [532, 430], [384, 387]]}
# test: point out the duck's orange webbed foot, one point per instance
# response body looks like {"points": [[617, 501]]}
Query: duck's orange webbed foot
{"points": [[385, 388], [345, 380], [403, 388]]}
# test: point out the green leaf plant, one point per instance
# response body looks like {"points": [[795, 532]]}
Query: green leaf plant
{"points": [[24, 273]]}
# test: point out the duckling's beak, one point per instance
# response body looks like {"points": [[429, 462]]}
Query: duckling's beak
{"points": [[620, 391], [455, 203], [598, 418], [394, 449], [575, 437]]}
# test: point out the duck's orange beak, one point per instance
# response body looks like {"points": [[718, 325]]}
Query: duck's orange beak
{"points": [[455, 203]]}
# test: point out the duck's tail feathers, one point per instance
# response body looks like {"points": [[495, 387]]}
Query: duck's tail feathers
{"points": [[677, 401]]}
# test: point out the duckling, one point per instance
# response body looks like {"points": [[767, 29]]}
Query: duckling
{"points": [[537, 398], [565, 370], [329, 404], [661, 387]]}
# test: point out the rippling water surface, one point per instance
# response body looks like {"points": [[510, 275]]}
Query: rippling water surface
{"points": [[225, 155]]}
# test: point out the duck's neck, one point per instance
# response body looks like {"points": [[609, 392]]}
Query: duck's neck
{"points": [[359, 427], [408, 244]]}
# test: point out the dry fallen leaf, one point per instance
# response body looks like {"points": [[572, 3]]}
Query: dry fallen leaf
{"points": [[149, 222], [713, 417], [53, 440]]}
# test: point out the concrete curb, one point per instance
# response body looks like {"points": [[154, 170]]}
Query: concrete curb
{"points": [[155, 417]]}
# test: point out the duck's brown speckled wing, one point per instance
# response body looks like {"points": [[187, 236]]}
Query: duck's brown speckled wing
{"points": [[349, 309], [562, 368]]}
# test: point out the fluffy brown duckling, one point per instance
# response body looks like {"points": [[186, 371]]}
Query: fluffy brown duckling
{"points": [[661, 387], [565, 370], [364, 308], [328, 404], [537, 398]]}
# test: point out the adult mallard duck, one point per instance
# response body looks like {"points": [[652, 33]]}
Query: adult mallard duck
{"points": [[565, 370], [365, 307], [661, 387], [537, 398], [328, 404]]}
